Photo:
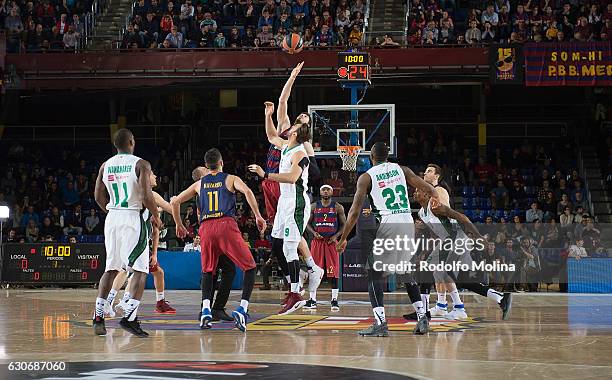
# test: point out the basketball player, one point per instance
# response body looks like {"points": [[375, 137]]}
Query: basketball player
{"points": [[219, 232], [293, 210], [226, 269], [386, 185], [123, 188], [432, 176], [444, 222], [271, 189], [155, 269], [328, 218]]}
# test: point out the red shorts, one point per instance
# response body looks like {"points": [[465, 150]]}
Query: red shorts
{"points": [[271, 190], [221, 236], [325, 256]]}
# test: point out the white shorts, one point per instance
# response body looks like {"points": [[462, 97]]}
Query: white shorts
{"points": [[392, 228], [291, 219], [126, 238]]}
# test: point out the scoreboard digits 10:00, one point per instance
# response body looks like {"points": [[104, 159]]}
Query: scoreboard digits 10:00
{"points": [[353, 67], [53, 263]]}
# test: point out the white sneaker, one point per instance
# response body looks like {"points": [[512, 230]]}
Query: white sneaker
{"points": [[108, 310], [315, 277], [121, 307], [456, 314], [438, 311]]}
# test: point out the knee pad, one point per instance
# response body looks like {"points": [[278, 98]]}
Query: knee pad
{"points": [[290, 249]]}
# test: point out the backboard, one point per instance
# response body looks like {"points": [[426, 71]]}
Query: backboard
{"points": [[341, 125]]}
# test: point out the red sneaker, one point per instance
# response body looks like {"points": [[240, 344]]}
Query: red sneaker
{"points": [[163, 307], [284, 301], [294, 302]]}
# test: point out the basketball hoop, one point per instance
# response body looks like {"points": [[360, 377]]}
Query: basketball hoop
{"points": [[349, 155]]}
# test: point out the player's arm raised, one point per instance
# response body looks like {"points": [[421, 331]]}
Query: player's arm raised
{"points": [[282, 118], [271, 131], [143, 169], [100, 193], [251, 200], [341, 221], [363, 186], [420, 184], [176, 202], [299, 161]]}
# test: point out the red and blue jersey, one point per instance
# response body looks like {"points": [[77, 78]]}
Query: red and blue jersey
{"points": [[274, 156], [325, 219], [216, 200]]}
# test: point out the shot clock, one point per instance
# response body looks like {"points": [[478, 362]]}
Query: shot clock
{"points": [[53, 263], [353, 67]]}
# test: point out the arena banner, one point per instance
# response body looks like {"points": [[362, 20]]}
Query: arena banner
{"points": [[568, 64], [506, 64]]}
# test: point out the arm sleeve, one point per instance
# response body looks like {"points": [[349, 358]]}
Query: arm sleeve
{"points": [[313, 169]]}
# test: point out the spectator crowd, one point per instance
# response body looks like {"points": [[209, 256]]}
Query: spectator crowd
{"points": [[249, 24], [445, 22], [41, 25]]}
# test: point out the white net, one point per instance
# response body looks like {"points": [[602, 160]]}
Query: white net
{"points": [[349, 155]]}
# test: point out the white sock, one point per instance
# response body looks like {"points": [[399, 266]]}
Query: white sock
{"points": [[456, 298], [245, 305], [132, 309], [160, 296], [288, 279], [100, 302], [313, 295], [126, 296], [206, 304], [425, 300], [379, 315], [310, 262], [301, 280], [295, 287], [442, 298], [419, 308], [334, 294], [111, 296], [494, 295]]}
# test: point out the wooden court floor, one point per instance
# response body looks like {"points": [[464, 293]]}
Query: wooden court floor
{"points": [[550, 335]]}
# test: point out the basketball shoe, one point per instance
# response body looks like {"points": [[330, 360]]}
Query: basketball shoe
{"points": [[205, 319], [99, 326], [310, 304], [457, 313], [376, 330], [294, 302], [240, 317], [133, 327], [439, 310], [162, 307]]}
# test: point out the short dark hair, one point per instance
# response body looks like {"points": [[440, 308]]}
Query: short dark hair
{"points": [[303, 133], [380, 151], [438, 169], [121, 139], [212, 158]]}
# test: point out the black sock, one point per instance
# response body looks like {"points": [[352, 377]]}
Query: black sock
{"points": [[207, 285], [228, 272], [412, 288], [294, 271], [375, 288], [334, 282], [277, 251], [248, 283]]}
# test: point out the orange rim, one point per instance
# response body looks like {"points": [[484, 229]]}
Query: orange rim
{"points": [[350, 150]]}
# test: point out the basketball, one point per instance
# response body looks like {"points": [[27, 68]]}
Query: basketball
{"points": [[293, 44]]}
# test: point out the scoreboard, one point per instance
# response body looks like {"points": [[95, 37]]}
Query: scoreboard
{"points": [[53, 263], [353, 67]]}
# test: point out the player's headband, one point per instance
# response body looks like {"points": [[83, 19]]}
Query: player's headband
{"points": [[326, 187]]}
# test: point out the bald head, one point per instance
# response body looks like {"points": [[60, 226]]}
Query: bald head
{"points": [[379, 152], [123, 140]]}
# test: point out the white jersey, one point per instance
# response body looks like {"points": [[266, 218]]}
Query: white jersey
{"points": [[121, 183], [290, 190], [389, 193], [442, 227]]}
